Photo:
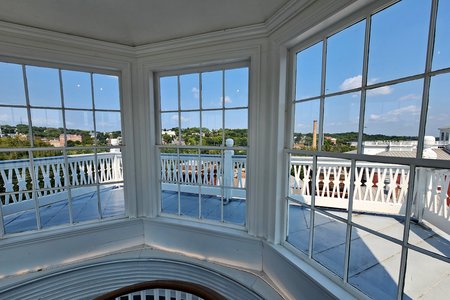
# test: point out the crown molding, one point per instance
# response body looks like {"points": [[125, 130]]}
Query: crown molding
{"points": [[285, 14], [209, 39], [63, 39], [34, 36]]}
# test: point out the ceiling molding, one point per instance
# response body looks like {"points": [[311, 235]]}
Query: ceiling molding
{"points": [[64, 39], [285, 14], [261, 30], [210, 38]]}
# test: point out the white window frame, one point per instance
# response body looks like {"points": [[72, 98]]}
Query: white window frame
{"points": [[192, 70], [412, 163], [81, 64]]}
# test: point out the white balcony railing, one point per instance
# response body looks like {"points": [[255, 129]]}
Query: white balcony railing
{"points": [[51, 177], [212, 172], [378, 188]]}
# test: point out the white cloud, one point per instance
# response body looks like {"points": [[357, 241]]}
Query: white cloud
{"points": [[393, 115], [409, 97], [195, 92], [351, 83], [175, 118], [384, 90], [227, 99]]}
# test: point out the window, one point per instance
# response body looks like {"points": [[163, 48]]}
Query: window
{"points": [[60, 147], [203, 144], [369, 175]]}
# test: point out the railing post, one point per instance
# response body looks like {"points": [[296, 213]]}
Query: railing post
{"points": [[228, 170], [422, 185]]}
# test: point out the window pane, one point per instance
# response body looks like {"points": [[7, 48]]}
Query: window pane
{"points": [[211, 206], [234, 206], [299, 225], [345, 59], [77, 89], [309, 72], [329, 243], [300, 177], [398, 48], [188, 177], [112, 200], [438, 118], [306, 122], [190, 128], [15, 175], [20, 218], [374, 265], [13, 127], [169, 128], [79, 128], [85, 204], [212, 169], [12, 90], [392, 119], [212, 125], [430, 225], [169, 93], [190, 91], [441, 56], [49, 170], [341, 122], [43, 86], [212, 89], [426, 277], [108, 125], [82, 169], [169, 198], [332, 185], [236, 87], [379, 199], [236, 126], [47, 127], [53, 207], [106, 91]]}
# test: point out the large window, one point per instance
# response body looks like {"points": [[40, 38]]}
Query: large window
{"points": [[203, 144], [369, 163], [60, 147]]}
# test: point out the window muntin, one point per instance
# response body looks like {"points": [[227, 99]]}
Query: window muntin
{"points": [[381, 198], [203, 139], [60, 159]]}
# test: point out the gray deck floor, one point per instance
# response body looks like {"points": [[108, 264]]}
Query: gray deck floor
{"points": [[210, 207], [375, 262], [84, 208]]}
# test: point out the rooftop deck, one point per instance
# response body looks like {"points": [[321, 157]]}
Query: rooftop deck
{"points": [[374, 262], [84, 208]]}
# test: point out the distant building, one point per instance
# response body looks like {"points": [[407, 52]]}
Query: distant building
{"points": [[444, 134], [59, 142], [169, 132]]}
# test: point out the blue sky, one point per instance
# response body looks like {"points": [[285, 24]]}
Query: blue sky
{"points": [[44, 91], [212, 95], [397, 49], [398, 46]]}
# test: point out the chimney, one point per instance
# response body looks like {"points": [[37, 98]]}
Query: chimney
{"points": [[314, 143]]}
